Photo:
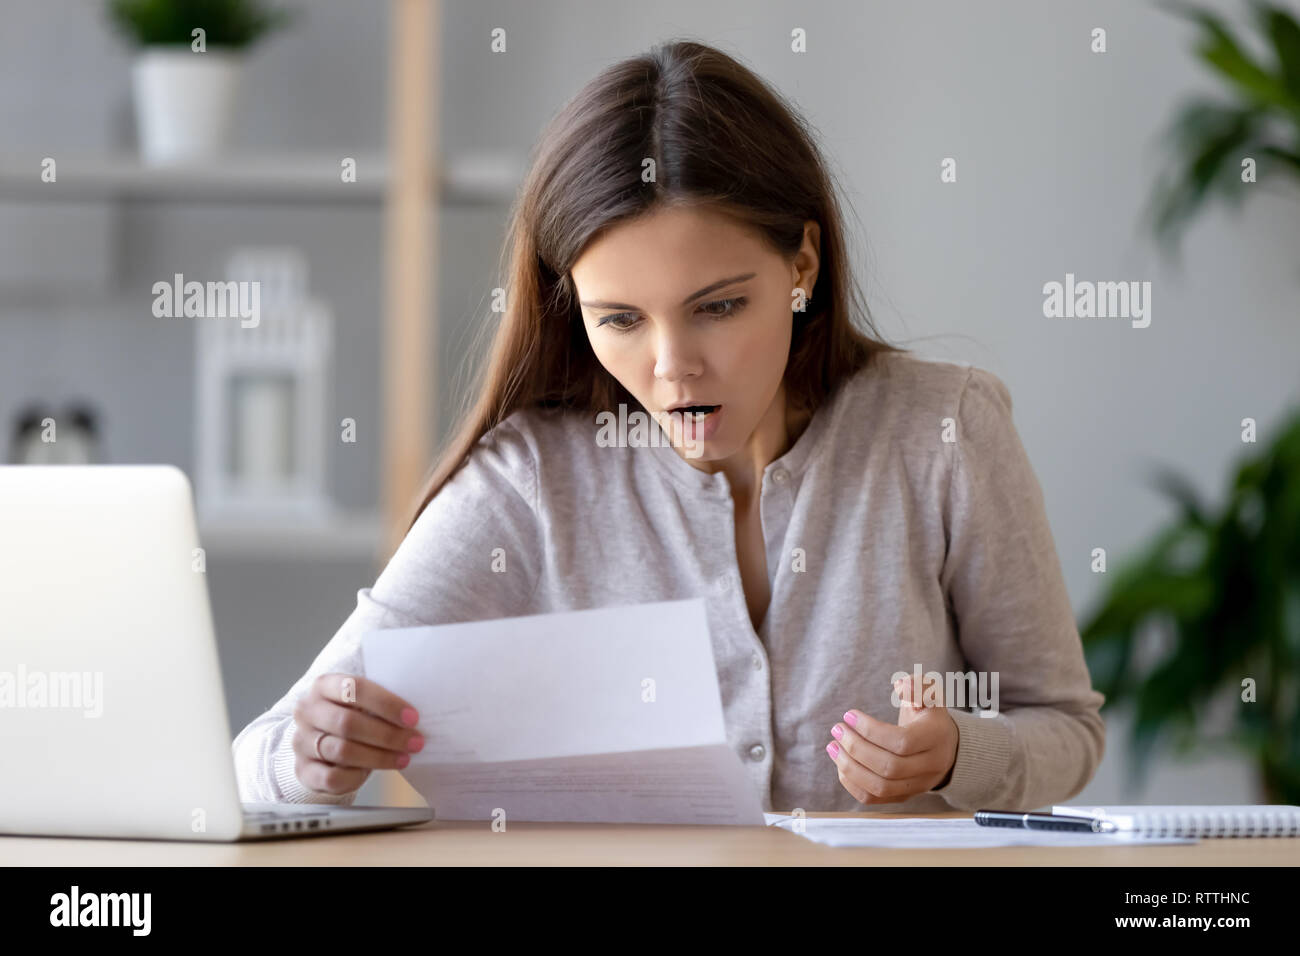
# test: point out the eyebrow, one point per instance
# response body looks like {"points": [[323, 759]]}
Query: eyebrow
{"points": [[721, 283]]}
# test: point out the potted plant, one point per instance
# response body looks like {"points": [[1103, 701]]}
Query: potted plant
{"points": [[185, 77], [1223, 586]]}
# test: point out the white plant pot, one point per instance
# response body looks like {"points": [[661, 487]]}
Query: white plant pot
{"points": [[184, 101]]}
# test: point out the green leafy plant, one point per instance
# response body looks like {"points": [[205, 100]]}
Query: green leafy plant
{"points": [[1211, 138], [226, 23], [1223, 589]]}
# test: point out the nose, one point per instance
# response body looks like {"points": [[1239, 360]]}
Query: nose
{"points": [[676, 356]]}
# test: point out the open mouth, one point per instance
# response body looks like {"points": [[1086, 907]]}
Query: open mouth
{"points": [[695, 413]]}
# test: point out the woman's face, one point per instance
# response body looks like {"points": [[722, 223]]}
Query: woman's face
{"points": [[687, 304]]}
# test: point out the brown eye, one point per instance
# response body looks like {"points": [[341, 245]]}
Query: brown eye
{"points": [[729, 307], [612, 320]]}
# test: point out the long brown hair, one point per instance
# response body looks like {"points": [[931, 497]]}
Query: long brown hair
{"points": [[718, 135]]}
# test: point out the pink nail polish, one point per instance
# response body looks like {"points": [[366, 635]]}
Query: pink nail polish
{"points": [[833, 750], [409, 716], [837, 733], [851, 718], [415, 743], [402, 761]]}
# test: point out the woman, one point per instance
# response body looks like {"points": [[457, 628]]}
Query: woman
{"points": [[677, 242]]}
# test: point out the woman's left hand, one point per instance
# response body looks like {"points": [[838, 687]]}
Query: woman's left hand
{"points": [[887, 763]]}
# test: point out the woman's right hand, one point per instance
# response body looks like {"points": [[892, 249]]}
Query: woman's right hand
{"points": [[365, 728]]}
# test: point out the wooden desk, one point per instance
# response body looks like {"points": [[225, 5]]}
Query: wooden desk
{"points": [[454, 843]]}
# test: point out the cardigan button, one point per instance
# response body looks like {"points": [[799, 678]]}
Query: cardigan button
{"points": [[780, 476], [757, 752]]}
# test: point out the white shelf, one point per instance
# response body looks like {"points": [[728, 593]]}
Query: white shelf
{"points": [[315, 177], [347, 535]]}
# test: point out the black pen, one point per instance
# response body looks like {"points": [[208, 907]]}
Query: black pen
{"points": [[1042, 821]]}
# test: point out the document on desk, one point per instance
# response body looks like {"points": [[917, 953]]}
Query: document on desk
{"points": [[610, 715], [922, 833]]}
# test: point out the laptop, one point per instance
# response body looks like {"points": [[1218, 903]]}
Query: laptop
{"points": [[112, 713]]}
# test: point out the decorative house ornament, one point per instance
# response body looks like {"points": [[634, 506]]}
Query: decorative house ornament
{"points": [[261, 402]]}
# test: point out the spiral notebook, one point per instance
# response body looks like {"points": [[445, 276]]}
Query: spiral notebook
{"points": [[1198, 821]]}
